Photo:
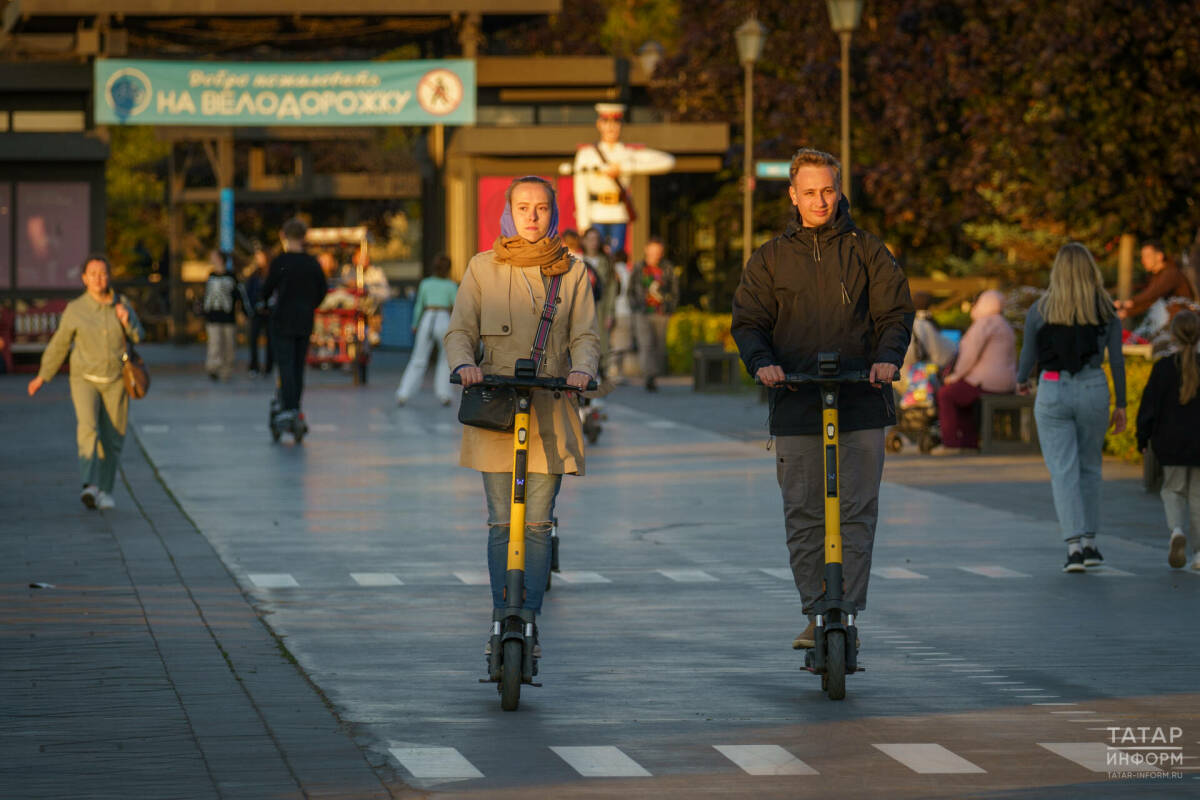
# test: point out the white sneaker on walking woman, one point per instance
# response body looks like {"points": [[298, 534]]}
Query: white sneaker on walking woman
{"points": [[1177, 550], [89, 494], [104, 501]]}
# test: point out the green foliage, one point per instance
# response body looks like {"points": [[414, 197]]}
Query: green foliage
{"points": [[1124, 445], [984, 134], [690, 327], [135, 190], [594, 27]]}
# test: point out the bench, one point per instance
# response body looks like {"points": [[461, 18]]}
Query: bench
{"points": [[1006, 424], [714, 369]]}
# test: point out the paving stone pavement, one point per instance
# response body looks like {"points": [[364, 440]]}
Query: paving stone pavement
{"points": [[140, 669]]}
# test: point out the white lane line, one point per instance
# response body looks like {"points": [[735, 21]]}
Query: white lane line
{"points": [[582, 576], [764, 759], [1109, 571], [929, 759], [783, 573], [995, 572], [1094, 756], [273, 580], [601, 762], [1073, 711], [210, 428], [688, 575], [898, 573], [156, 428], [323, 427], [1064, 712], [260, 428], [474, 577], [662, 423], [445, 427], [435, 762], [376, 579], [380, 427]]}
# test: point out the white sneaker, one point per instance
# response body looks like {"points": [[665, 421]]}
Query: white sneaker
{"points": [[88, 495], [104, 501], [400, 399], [1196, 562], [1177, 549]]}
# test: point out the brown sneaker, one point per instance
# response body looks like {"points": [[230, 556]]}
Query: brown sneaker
{"points": [[1177, 552], [805, 640]]}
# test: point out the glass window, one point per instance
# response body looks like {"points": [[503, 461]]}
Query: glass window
{"points": [[504, 115], [47, 121], [53, 223]]}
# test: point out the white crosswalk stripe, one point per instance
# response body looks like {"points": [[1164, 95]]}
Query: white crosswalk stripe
{"points": [[688, 575], [1095, 756], [156, 428], [928, 759], [211, 428], [273, 580], [990, 571], [323, 427], [898, 573], [783, 573], [764, 759], [601, 762], [376, 579], [664, 424], [474, 577], [582, 576], [1108, 572], [445, 763]]}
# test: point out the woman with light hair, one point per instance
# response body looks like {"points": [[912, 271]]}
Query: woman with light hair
{"points": [[1066, 334]]}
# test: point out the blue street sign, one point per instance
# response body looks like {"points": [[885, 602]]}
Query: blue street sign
{"points": [[772, 170], [226, 225]]}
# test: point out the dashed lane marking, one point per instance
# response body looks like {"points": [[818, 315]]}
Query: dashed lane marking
{"points": [[579, 576], [989, 571], [273, 580], [445, 427], [929, 759], [1108, 572], [664, 424], [324, 427], [474, 577], [898, 573], [688, 575], [764, 759], [783, 573], [211, 428], [156, 428], [601, 762], [376, 579], [1094, 756], [445, 763]]}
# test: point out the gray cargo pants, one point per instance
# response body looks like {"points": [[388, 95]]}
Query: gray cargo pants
{"points": [[799, 468]]}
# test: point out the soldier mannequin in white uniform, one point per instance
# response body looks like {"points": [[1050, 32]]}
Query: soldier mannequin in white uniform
{"points": [[602, 174]]}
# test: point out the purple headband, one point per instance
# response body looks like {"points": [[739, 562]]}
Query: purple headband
{"points": [[509, 228]]}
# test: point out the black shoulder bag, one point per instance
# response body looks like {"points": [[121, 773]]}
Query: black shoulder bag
{"points": [[495, 407]]}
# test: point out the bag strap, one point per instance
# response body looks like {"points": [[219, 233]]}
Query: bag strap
{"points": [[543, 332]]}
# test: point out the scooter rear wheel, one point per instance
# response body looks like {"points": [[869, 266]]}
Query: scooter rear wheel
{"points": [[510, 675], [834, 681]]}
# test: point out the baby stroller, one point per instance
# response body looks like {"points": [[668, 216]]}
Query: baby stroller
{"points": [[916, 409]]}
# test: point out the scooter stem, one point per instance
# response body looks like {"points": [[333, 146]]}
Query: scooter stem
{"points": [[516, 530]]}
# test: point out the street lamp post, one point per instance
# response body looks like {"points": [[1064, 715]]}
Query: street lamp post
{"points": [[750, 36], [844, 17]]}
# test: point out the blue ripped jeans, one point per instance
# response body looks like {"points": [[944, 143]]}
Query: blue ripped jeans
{"points": [[540, 490]]}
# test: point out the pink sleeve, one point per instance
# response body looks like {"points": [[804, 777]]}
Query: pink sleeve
{"points": [[968, 352]]}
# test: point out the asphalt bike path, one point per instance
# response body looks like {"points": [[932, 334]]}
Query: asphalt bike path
{"points": [[667, 664]]}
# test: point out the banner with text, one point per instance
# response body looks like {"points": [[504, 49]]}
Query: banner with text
{"points": [[139, 92]]}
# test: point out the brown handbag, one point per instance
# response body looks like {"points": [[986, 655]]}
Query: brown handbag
{"points": [[134, 372]]}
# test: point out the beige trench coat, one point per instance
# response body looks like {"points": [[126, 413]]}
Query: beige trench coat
{"points": [[500, 306]]}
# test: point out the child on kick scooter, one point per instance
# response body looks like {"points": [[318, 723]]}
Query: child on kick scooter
{"points": [[500, 304]]}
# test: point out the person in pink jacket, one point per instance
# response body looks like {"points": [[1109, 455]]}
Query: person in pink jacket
{"points": [[986, 364]]}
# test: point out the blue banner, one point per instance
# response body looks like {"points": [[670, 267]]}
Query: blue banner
{"points": [[137, 92]]}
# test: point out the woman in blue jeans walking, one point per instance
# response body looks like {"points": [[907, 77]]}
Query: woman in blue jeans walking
{"points": [[1066, 334]]}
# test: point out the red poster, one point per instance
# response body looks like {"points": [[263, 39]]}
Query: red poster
{"points": [[53, 222], [491, 205]]}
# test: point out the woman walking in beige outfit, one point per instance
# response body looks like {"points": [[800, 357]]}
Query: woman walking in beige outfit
{"points": [[498, 307], [93, 328]]}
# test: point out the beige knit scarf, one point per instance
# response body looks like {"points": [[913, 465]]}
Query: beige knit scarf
{"points": [[548, 253]]}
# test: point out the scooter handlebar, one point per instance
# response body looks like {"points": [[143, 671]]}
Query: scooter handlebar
{"points": [[845, 376], [551, 384]]}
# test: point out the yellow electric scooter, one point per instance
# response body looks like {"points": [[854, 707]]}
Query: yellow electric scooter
{"points": [[835, 643], [510, 657]]}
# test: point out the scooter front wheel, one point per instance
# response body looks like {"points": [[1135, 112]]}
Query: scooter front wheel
{"points": [[834, 680], [510, 675]]}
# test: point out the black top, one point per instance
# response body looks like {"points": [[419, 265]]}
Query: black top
{"points": [[1067, 348], [835, 288], [222, 296], [297, 282], [1174, 430]]}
